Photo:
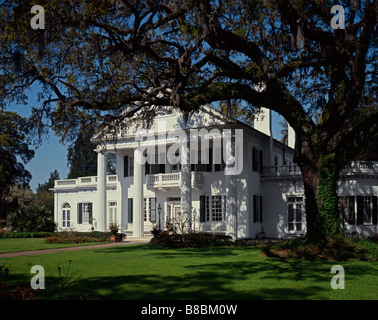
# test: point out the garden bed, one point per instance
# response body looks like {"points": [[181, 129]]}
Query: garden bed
{"points": [[79, 237], [344, 249]]}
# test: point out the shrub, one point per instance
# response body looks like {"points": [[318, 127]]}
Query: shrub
{"points": [[193, 239], [11, 234], [31, 219], [8, 293]]}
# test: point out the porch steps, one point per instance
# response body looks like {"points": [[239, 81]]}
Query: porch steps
{"points": [[129, 235]]}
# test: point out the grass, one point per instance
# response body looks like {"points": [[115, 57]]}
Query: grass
{"points": [[27, 244], [153, 272]]}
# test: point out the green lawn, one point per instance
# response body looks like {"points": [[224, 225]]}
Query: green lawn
{"points": [[27, 244], [152, 272]]}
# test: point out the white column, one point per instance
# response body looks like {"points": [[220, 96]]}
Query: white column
{"points": [[231, 198], [138, 216], [56, 210], [186, 183], [101, 192]]}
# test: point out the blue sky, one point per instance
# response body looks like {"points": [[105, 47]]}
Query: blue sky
{"points": [[50, 155]]}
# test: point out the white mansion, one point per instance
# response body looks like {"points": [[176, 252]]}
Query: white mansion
{"points": [[262, 196]]}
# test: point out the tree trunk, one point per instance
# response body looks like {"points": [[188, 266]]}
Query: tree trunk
{"points": [[320, 176], [311, 181]]}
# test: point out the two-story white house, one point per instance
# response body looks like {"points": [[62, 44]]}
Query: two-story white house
{"points": [[223, 175]]}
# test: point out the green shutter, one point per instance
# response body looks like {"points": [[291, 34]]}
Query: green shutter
{"points": [[90, 208], [130, 210], [255, 163], [79, 213], [254, 208], [202, 208], [209, 166], [360, 213], [261, 160], [261, 212], [375, 210], [152, 204], [351, 209], [147, 168]]}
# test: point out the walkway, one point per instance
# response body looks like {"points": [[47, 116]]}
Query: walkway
{"points": [[96, 246]]}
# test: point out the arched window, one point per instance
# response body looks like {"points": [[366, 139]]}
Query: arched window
{"points": [[66, 215]]}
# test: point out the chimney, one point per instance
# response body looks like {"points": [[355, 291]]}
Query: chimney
{"points": [[264, 122], [290, 137]]}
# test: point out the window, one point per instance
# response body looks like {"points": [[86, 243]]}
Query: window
{"points": [[366, 210], [212, 208], [150, 207], [295, 216], [113, 212], [128, 166], [257, 160], [347, 210], [217, 208], [66, 216], [157, 167], [257, 208], [84, 212]]}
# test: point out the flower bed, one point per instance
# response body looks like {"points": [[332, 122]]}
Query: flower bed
{"points": [[65, 237]]}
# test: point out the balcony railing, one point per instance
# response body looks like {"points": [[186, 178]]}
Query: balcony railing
{"points": [[171, 180], [352, 168], [360, 167], [83, 182], [281, 170]]}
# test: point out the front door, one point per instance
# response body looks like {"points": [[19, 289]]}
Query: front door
{"points": [[173, 207], [173, 211]]}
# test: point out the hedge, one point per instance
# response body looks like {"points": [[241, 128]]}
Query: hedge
{"points": [[197, 239], [12, 234]]}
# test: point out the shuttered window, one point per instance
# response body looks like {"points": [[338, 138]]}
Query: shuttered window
{"points": [[130, 210], [85, 212], [152, 209], [257, 208]]}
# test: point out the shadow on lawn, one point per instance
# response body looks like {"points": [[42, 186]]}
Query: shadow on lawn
{"points": [[224, 280], [170, 253], [262, 278]]}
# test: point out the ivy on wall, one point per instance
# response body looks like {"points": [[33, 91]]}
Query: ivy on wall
{"points": [[329, 217]]}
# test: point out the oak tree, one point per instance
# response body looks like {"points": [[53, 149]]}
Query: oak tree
{"points": [[101, 61]]}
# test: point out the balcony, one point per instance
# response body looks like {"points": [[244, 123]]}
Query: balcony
{"points": [[84, 183], [353, 168], [172, 180], [281, 171], [360, 169]]}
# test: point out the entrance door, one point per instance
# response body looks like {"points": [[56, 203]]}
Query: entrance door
{"points": [[173, 207], [173, 211]]}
